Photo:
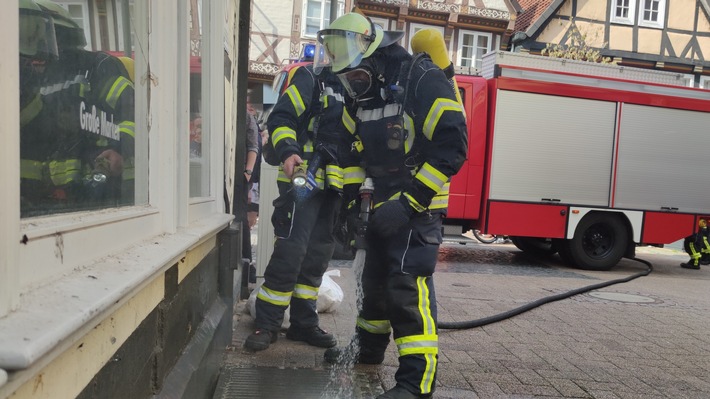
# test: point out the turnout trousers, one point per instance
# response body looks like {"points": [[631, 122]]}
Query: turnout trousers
{"points": [[399, 297], [303, 247]]}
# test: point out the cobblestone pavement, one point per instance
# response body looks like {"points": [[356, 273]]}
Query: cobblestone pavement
{"points": [[648, 338]]}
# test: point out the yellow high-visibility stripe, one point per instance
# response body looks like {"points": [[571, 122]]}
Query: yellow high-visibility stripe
{"points": [[282, 133], [414, 203], [119, 85], [282, 176], [348, 122], [418, 344], [374, 326], [439, 202], [354, 175], [334, 176], [31, 110], [305, 292], [431, 177], [64, 172], [429, 371], [127, 127], [437, 109], [277, 298], [427, 343], [296, 99], [31, 169], [409, 127], [428, 323]]}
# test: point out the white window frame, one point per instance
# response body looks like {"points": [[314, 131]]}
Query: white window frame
{"points": [[323, 12], [86, 18], [623, 20], [476, 34], [72, 270], [383, 22], [704, 82], [661, 15], [119, 19], [58, 245]]}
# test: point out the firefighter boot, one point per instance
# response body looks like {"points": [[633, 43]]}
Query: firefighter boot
{"points": [[693, 263], [399, 392], [705, 259], [314, 336], [260, 339], [353, 353]]}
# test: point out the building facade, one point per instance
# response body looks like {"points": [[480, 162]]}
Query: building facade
{"points": [[118, 281], [658, 34], [280, 30]]}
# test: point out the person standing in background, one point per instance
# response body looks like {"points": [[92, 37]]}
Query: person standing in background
{"points": [[252, 149]]}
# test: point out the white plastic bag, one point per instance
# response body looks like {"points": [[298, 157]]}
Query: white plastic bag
{"points": [[330, 295]]}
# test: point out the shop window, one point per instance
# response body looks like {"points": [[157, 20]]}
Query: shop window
{"points": [[472, 47], [316, 15], [77, 116], [199, 137], [705, 82]]}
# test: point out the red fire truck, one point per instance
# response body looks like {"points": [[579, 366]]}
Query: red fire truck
{"points": [[583, 159]]}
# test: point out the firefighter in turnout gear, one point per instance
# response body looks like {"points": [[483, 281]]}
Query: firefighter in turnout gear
{"points": [[411, 139], [697, 247], [86, 116], [308, 122], [38, 48]]}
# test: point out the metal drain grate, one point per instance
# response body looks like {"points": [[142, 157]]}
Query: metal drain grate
{"points": [[275, 383]]}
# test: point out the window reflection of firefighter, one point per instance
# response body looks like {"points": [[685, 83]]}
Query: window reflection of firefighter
{"points": [[79, 144], [37, 48], [697, 247]]}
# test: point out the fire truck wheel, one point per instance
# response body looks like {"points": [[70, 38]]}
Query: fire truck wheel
{"points": [[599, 241], [538, 247]]}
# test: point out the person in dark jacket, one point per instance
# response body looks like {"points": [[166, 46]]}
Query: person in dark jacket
{"points": [[411, 139], [697, 247], [306, 125]]}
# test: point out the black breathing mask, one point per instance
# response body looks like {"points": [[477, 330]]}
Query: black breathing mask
{"points": [[364, 81], [357, 82]]}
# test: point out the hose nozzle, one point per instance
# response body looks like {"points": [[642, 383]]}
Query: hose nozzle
{"points": [[299, 177]]}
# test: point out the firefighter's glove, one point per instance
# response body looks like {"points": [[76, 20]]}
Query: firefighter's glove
{"points": [[391, 216]]}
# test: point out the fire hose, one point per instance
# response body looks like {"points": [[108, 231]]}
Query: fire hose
{"points": [[359, 238], [460, 325]]}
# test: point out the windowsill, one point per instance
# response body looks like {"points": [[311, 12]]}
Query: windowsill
{"points": [[49, 225], [50, 315], [622, 21], [653, 25]]}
